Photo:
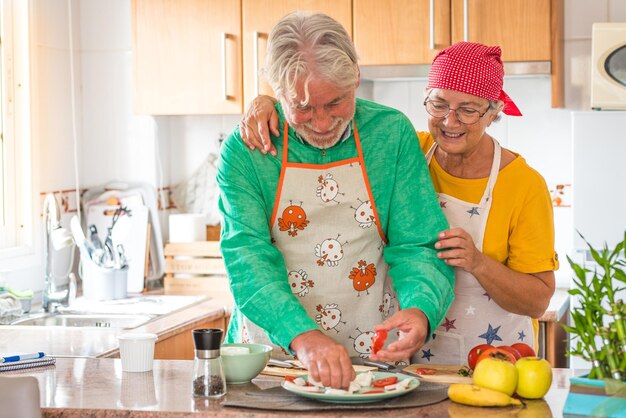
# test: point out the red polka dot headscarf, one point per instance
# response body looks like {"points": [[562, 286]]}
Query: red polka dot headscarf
{"points": [[474, 69]]}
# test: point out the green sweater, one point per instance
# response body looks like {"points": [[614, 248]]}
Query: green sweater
{"points": [[407, 206]]}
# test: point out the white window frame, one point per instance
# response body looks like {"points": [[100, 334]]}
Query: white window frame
{"points": [[16, 229]]}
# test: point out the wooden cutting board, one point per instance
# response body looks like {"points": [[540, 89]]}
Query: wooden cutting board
{"points": [[444, 373], [284, 371]]}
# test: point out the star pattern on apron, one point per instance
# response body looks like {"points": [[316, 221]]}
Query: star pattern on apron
{"points": [[474, 317]]}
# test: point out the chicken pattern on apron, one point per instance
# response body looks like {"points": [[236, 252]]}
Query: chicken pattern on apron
{"points": [[474, 318], [326, 226]]}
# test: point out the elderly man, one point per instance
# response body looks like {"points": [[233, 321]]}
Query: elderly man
{"points": [[332, 239]]}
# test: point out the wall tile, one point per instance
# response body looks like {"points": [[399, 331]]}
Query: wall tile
{"points": [[578, 74], [579, 16], [51, 21], [617, 11], [105, 25]]}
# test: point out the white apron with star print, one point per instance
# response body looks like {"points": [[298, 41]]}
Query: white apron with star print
{"points": [[325, 225], [473, 318]]}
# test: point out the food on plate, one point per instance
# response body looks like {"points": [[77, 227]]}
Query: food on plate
{"points": [[378, 340], [363, 384], [497, 353], [524, 349], [473, 354], [381, 383], [534, 377], [497, 374], [475, 395]]}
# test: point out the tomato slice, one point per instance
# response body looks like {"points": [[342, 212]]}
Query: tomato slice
{"points": [[378, 341], [385, 381], [425, 371], [290, 378]]}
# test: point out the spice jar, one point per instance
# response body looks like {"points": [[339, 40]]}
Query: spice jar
{"points": [[208, 374]]}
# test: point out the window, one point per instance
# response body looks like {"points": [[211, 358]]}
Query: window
{"points": [[15, 177]]}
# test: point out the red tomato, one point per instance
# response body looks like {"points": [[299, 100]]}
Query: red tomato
{"points": [[511, 350], [524, 349], [496, 353], [378, 341], [474, 353], [290, 378], [385, 381], [425, 371]]}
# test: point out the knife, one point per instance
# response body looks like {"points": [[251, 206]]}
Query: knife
{"points": [[284, 364], [385, 367]]}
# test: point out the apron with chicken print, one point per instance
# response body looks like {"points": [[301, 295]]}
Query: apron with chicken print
{"points": [[473, 318], [326, 226]]}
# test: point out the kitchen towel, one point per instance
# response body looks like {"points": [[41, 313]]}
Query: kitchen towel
{"points": [[27, 364], [278, 399]]}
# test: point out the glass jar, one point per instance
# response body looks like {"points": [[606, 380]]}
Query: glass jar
{"points": [[208, 375]]}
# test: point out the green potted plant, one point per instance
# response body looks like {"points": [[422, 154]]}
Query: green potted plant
{"points": [[599, 334]]}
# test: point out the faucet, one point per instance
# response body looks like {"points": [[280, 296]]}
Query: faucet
{"points": [[55, 238]]}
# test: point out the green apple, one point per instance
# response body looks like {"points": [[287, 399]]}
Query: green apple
{"points": [[534, 377], [496, 374]]}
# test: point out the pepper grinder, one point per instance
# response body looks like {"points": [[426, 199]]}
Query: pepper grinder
{"points": [[208, 374]]}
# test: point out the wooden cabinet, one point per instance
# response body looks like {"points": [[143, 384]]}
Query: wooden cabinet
{"points": [[187, 57], [400, 32], [394, 32], [179, 345], [260, 16], [520, 27]]}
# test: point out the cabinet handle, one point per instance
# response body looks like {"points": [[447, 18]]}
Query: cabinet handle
{"points": [[255, 53], [224, 70], [465, 21], [432, 24]]}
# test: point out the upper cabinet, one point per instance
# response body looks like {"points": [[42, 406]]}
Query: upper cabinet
{"points": [[206, 56], [520, 27], [395, 32], [187, 57], [258, 19], [401, 32]]}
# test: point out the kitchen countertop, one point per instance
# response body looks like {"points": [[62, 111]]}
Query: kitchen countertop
{"points": [[559, 305], [98, 387], [100, 342]]}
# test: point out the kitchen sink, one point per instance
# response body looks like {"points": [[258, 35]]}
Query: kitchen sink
{"points": [[85, 320]]}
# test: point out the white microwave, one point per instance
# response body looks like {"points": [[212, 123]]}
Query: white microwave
{"points": [[608, 61]]}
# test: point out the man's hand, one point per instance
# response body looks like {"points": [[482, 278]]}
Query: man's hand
{"points": [[413, 326], [327, 361]]}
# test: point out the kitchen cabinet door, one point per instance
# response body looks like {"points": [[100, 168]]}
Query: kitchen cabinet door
{"points": [[394, 32], [258, 19], [187, 57], [520, 27]]}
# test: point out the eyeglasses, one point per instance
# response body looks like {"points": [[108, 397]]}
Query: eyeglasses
{"points": [[465, 115]]}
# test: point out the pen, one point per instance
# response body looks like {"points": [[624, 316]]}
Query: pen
{"points": [[21, 357]]}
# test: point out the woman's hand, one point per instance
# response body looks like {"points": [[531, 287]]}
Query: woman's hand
{"points": [[459, 250], [413, 326], [259, 119]]}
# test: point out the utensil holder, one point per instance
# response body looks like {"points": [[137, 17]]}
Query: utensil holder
{"points": [[100, 283]]}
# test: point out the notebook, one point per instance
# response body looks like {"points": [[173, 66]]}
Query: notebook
{"points": [[26, 364]]}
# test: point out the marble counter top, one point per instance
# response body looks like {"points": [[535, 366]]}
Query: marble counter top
{"points": [[99, 342], [559, 305], [98, 388]]}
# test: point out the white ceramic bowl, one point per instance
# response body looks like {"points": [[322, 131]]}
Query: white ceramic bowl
{"points": [[241, 368]]}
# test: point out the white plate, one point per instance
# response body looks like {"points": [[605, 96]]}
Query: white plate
{"points": [[357, 397]]}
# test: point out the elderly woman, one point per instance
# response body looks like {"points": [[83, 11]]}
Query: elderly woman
{"points": [[501, 240]]}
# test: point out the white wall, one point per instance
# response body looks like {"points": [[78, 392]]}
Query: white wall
{"points": [[114, 144]]}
